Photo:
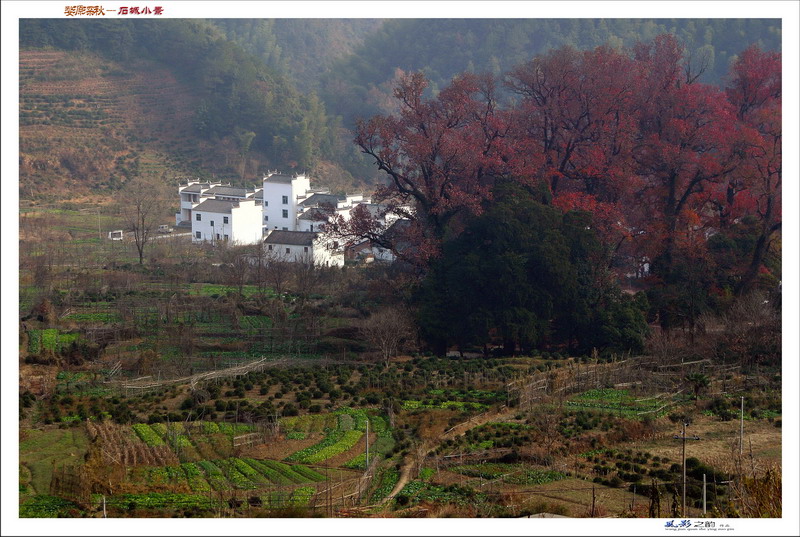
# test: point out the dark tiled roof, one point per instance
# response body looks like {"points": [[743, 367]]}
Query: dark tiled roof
{"points": [[259, 195], [398, 228], [229, 191], [315, 215], [279, 178], [217, 206], [295, 238], [375, 209], [319, 199], [196, 188]]}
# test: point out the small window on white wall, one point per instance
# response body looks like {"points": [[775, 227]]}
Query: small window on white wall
{"points": [[197, 235], [224, 219], [288, 251], [198, 217], [285, 213], [285, 200]]}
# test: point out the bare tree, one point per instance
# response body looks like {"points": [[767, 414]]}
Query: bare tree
{"points": [[278, 270], [143, 204], [235, 265], [307, 277], [388, 329]]}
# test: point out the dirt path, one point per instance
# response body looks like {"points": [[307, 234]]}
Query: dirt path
{"points": [[412, 460]]}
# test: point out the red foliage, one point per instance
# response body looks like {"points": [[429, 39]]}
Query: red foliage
{"points": [[627, 136]]}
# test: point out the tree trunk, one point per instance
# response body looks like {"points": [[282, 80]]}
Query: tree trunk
{"points": [[759, 252]]}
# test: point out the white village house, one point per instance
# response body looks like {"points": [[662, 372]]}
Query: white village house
{"points": [[190, 197], [303, 247], [237, 222], [286, 203]]}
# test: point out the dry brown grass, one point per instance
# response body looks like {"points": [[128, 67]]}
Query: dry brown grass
{"points": [[718, 439], [575, 496], [281, 449]]}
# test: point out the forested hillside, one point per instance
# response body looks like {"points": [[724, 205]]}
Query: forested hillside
{"points": [[302, 48], [176, 92], [231, 98], [361, 85]]}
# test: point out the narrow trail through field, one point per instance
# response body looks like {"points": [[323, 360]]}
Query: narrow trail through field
{"points": [[412, 460], [233, 371]]}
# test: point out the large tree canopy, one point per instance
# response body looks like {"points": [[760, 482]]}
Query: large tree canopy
{"points": [[660, 161], [525, 275]]}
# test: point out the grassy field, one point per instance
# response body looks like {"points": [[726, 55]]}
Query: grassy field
{"points": [[622, 403], [719, 442], [575, 496], [41, 451]]}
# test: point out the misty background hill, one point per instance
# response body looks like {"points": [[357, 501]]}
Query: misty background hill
{"points": [[102, 101]]}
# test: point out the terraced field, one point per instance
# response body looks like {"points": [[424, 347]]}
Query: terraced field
{"points": [[622, 403], [50, 339], [89, 122], [225, 474], [41, 451], [278, 499], [201, 440], [350, 428]]}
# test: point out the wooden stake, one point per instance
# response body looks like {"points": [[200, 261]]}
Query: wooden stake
{"points": [[704, 494]]}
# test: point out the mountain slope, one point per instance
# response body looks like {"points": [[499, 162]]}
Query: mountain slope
{"points": [[90, 123], [361, 84], [102, 102]]}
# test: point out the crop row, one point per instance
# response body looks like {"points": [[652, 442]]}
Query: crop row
{"points": [[224, 474], [452, 494], [147, 435], [161, 500], [332, 437], [171, 434], [45, 506], [156, 433], [619, 408], [214, 475], [358, 415], [510, 473], [305, 423], [413, 404], [286, 474], [48, 339], [195, 477], [234, 474], [344, 444], [350, 424], [480, 396], [604, 394], [299, 497], [94, 317], [379, 448], [388, 481]]}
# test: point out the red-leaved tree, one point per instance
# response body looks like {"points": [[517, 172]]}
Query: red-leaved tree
{"points": [[441, 155], [755, 92]]}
